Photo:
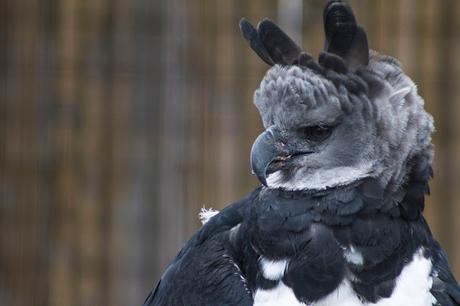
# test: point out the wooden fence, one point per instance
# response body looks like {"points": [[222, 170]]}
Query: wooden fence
{"points": [[119, 120]]}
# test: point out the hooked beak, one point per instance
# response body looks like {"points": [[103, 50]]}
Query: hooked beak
{"points": [[267, 148]]}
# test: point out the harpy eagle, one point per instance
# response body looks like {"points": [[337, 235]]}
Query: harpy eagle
{"points": [[344, 163]]}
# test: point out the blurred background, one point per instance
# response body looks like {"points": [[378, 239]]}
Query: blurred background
{"points": [[119, 120]]}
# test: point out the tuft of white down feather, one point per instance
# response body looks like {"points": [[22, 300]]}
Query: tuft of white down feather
{"points": [[206, 214]]}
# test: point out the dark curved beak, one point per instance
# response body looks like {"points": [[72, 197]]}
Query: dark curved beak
{"points": [[269, 147], [265, 149]]}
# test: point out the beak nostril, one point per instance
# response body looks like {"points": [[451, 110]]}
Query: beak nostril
{"points": [[270, 153]]}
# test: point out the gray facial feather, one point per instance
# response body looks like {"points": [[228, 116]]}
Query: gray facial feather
{"points": [[381, 127]]}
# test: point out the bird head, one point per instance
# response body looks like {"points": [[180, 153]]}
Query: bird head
{"points": [[350, 115]]}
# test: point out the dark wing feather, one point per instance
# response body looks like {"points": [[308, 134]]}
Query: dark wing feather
{"points": [[204, 275], [204, 272], [445, 288]]}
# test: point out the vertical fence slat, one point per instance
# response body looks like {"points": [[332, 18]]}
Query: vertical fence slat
{"points": [[120, 119]]}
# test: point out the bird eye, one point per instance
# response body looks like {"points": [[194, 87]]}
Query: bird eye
{"points": [[316, 133]]}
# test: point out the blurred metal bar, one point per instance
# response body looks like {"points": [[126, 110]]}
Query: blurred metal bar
{"points": [[290, 18], [173, 155]]}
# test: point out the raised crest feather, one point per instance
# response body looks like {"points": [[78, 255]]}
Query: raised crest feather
{"points": [[283, 50], [252, 37], [343, 35], [345, 46]]}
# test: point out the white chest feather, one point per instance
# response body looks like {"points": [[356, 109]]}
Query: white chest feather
{"points": [[321, 179], [278, 296], [412, 288]]}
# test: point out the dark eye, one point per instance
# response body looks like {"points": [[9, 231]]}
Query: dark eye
{"points": [[316, 132]]}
